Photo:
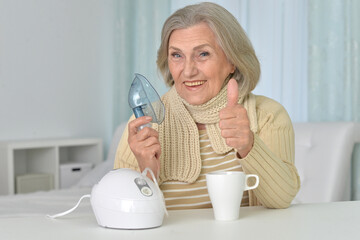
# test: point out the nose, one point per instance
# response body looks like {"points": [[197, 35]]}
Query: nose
{"points": [[190, 68]]}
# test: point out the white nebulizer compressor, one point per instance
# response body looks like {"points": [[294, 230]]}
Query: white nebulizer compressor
{"points": [[126, 199]]}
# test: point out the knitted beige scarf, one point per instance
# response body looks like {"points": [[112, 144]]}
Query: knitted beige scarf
{"points": [[179, 136]]}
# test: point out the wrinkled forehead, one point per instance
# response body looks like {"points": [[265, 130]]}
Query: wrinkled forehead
{"points": [[195, 32]]}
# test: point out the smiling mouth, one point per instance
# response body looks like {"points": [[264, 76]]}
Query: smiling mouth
{"points": [[194, 83]]}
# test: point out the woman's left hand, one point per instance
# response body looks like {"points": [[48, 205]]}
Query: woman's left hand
{"points": [[234, 122]]}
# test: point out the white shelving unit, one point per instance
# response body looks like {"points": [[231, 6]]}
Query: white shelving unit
{"points": [[44, 156]]}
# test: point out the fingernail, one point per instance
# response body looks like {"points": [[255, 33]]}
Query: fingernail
{"points": [[148, 118]]}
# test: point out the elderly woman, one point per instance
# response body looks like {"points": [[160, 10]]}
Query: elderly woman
{"points": [[213, 122]]}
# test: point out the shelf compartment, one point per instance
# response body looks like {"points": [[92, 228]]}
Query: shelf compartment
{"points": [[79, 154]]}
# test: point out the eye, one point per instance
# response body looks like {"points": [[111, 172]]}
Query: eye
{"points": [[204, 54], [175, 55]]}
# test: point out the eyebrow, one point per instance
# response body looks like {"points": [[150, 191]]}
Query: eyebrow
{"points": [[195, 48]]}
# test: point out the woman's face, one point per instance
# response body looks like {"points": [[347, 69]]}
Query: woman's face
{"points": [[197, 63]]}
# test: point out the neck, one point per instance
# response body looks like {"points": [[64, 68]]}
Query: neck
{"points": [[201, 126]]}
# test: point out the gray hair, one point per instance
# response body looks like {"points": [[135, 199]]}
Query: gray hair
{"points": [[230, 36]]}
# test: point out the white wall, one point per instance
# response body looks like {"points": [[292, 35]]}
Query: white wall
{"points": [[56, 69]]}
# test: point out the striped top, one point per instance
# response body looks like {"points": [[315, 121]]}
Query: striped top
{"points": [[180, 195]]}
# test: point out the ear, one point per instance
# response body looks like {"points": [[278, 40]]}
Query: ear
{"points": [[233, 68]]}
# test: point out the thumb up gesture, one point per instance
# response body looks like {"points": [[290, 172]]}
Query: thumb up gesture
{"points": [[234, 122]]}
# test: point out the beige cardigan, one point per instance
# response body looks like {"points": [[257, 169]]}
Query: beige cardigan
{"points": [[271, 158]]}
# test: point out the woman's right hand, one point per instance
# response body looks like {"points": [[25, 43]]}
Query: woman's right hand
{"points": [[145, 144]]}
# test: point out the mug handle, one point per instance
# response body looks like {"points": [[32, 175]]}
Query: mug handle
{"points": [[247, 187]]}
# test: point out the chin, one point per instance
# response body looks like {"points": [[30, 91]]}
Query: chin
{"points": [[195, 101]]}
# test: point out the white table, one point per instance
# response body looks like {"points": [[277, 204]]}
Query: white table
{"points": [[340, 220]]}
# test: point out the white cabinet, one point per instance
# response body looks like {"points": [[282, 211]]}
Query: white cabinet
{"points": [[19, 158]]}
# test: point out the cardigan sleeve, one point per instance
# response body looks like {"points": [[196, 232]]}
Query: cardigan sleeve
{"points": [[272, 157]]}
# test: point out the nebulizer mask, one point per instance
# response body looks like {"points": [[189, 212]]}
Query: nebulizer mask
{"points": [[145, 101], [124, 198]]}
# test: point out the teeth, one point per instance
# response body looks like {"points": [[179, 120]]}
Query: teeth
{"points": [[195, 83]]}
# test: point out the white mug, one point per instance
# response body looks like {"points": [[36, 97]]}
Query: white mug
{"points": [[226, 191]]}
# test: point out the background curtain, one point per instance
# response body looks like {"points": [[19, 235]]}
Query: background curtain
{"points": [[334, 76], [334, 52], [278, 31], [137, 37]]}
